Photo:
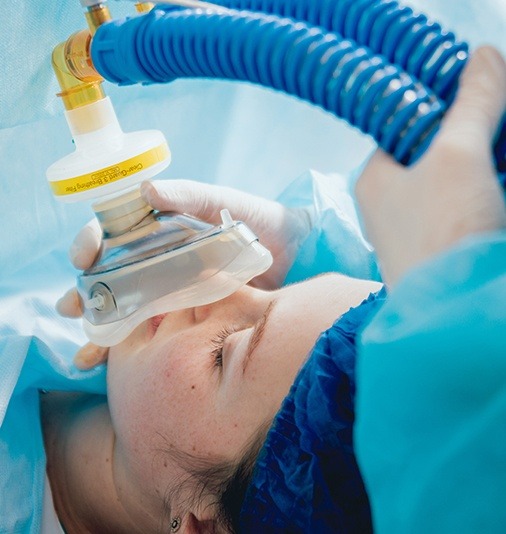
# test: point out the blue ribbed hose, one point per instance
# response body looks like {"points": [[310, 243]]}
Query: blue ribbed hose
{"points": [[294, 57], [419, 46]]}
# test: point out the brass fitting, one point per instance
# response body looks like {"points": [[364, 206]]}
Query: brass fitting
{"points": [[78, 79], [144, 7], [80, 83], [96, 15]]}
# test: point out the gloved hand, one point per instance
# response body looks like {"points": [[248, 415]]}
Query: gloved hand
{"points": [[411, 214], [279, 229]]}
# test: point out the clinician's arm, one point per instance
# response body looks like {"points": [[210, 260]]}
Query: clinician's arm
{"points": [[431, 405]]}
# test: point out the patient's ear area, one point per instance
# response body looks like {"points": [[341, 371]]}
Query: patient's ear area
{"points": [[191, 524], [198, 519]]}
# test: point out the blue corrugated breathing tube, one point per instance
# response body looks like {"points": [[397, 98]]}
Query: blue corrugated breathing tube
{"points": [[419, 46], [395, 85]]}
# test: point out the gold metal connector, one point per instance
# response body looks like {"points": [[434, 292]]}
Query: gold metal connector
{"points": [[144, 7], [80, 83], [96, 16]]}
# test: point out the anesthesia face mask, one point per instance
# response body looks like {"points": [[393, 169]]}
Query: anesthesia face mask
{"points": [[166, 262], [150, 262]]}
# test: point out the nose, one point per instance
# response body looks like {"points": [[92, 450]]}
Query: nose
{"points": [[245, 300], [183, 318], [201, 313]]}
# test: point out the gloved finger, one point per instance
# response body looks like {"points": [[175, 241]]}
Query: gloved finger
{"points": [[200, 200], [205, 202], [481, 99], [86, 245], [90, 356], [70, 304]]}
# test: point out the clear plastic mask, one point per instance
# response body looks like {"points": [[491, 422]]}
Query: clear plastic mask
{"points": [[167, 262]]}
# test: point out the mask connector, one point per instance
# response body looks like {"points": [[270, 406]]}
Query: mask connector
{"points": [[97, 13], [144, 7]]}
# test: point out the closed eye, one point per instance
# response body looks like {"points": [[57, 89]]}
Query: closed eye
{"points": [[218, 343]]}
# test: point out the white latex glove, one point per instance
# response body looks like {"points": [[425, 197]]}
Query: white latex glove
{"points": [[279, 229], [411, 214]]}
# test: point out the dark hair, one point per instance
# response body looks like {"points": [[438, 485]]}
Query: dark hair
{"points": [[223, 483]]}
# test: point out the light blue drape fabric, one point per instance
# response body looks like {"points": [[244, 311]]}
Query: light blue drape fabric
{"points": [[431, 407], [36, 348], [336, 242]]}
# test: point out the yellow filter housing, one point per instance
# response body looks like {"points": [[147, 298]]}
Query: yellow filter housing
{"points": [[106, 160]]}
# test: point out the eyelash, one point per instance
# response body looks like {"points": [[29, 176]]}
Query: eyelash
{"points": [[218, 342]]}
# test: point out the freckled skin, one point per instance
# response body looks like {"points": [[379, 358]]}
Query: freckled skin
{"points": [[168, 391]]}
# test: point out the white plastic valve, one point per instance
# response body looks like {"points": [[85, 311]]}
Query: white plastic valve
{"points": [[226, 219]]}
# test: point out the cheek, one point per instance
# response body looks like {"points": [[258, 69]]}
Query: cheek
{"points": [[158, 400]]}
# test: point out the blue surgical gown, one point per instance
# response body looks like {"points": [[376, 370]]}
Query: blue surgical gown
{"points": [[431, 402]]}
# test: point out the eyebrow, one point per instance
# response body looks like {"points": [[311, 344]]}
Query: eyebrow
{"points": [[258, 333]]}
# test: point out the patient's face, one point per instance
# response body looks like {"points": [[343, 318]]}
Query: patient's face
{"points": [[202, 380]]}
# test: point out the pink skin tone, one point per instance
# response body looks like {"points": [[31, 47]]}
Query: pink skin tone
{"points": [[168, 390]]}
